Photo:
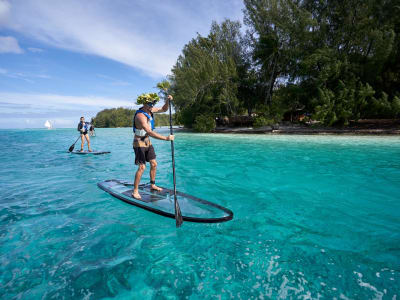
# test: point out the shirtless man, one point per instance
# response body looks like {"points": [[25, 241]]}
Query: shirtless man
{"points": [[143, 126]]}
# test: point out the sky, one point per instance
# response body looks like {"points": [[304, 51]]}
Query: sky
{"points": [[60, 60]]}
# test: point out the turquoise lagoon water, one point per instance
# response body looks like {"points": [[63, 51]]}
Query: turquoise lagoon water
{"points": [[314, 217]]}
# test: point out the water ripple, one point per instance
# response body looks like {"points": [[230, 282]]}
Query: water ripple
{"points": [[315, 217]]}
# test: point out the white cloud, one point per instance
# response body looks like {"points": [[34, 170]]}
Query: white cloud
{"points": [[113, 81], [4, 11], [19, 110], [148, 35], [26, 76], [9, 44], [20, 103], [60, 122], [35, 50], [38, 122], [42, 76]]}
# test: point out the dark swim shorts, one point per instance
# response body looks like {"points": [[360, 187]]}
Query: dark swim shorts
{"points": [[144, 150]]}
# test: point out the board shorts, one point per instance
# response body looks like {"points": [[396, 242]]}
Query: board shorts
{"points": [[144, 151]]}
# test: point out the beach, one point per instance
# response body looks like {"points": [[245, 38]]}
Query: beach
{"points": [[363, 127]]}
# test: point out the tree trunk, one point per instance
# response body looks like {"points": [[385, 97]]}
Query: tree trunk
{"points": [[272, 80]]}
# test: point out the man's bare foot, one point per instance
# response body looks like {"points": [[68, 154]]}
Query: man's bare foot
{"points": [[136, 195], [156, 188], [90, 150]]}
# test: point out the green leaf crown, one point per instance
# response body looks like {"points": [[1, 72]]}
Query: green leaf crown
{"points": [[147, 98]]}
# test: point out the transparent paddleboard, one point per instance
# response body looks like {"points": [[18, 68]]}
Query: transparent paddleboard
{"points": [[193, 209]]}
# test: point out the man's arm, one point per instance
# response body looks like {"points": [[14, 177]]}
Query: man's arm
{"points": [[142, 120], [164, 108]]}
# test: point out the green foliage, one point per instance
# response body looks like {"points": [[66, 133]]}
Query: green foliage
{"points": [[353, 101], [186, 117], [114, 117], [204, 123], [164, 85], [123, 117], [205, 77], [274, 111], [268, 115], [163, 120], [335, 60], [396, 107], [381, 106], [345, 102], [261, 121]]}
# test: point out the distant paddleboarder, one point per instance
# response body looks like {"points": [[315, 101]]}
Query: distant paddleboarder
{"points": [[143, 126], [83, 128], [91, 128]]}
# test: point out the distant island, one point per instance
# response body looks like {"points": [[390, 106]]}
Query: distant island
{"points": [[123, 117]]}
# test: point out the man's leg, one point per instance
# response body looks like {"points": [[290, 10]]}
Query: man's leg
{"points": [[88, 142], [138, 176], [153, 171], [82, 141]]}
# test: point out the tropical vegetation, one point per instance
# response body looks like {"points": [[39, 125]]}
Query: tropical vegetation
{"points": [[333, 61], [123, 117]]}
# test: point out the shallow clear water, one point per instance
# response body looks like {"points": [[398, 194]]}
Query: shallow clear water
{"points": [[314, 217]]}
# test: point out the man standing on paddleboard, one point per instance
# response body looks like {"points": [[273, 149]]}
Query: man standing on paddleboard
{"points": [[83, 129], [143, 126]]}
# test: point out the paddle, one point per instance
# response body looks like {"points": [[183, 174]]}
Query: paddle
{"points": [[73, 145], [178, 214]]}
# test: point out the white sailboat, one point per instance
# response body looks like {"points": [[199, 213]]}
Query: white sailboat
{"points": [[48, 124]]}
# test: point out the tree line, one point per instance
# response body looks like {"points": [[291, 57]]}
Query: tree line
{"points": [[334, 61], [123, 117]]}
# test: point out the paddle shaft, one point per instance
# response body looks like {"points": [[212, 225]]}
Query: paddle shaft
{"points": [[178, 215], [73, 145], [77, 139]]}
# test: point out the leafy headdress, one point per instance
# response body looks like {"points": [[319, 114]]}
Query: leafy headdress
{"points": [[147, 98]]}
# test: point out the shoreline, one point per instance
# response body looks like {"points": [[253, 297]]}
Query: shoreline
{"points": [[300, 130], [279, 130]]}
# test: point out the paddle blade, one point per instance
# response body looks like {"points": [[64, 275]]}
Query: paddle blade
{"points": [[178, 214], [73, 145]]}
